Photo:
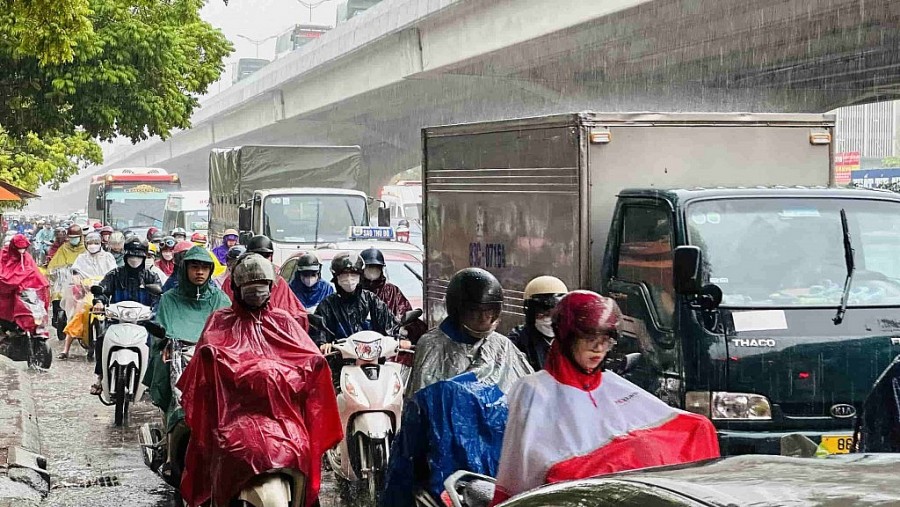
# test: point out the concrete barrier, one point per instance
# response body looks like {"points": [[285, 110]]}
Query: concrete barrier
{"points": [[24, 479]]}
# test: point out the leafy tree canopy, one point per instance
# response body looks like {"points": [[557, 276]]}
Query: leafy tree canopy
{"points": [[76, 71]]}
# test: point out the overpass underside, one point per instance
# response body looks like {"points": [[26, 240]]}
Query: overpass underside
{"points": [[662, 55]]}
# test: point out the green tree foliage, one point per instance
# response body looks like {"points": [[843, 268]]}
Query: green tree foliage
{"points": [[76, 71], [890, 162]]}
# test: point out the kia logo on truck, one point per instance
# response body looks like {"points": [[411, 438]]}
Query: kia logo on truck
{"points": [[843, 411]]}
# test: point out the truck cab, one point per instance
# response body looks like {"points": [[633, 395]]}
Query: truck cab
{"points": [[734, 299], [303, 218]]}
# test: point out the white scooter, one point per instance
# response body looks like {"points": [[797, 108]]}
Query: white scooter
{"points": [[125, 356], [370, 403]]}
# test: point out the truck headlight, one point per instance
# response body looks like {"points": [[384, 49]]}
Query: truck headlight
{"points": [[724, 406]]}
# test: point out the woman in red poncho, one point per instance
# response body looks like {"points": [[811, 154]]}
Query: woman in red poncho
{"points": [[19, 272], [257, 395], [601, 423]]}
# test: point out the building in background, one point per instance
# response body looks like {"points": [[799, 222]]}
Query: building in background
{"points": [[870, 130]]}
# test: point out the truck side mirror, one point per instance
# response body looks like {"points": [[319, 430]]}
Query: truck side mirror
{"points": [[98, 202], [686, 270], [245, 218], [384, 217], [244, 237]]}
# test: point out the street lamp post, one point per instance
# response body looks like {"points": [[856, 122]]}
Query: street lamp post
{"points": [[257, 42], [311, 5]]}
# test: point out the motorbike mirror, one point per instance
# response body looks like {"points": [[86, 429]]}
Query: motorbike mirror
{"points": [[154, 289], [318, 322], [97, 290], [624, 363], [410, 317], [710, 297]]}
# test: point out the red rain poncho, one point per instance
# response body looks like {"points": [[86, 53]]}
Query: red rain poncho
{"points": [[282, 297], [17, 273], [257, 397]]}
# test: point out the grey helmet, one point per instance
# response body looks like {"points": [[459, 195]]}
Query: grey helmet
{"points": [[252, 267]]}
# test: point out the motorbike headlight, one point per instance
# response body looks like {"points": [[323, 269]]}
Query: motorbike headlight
{"points": [[368, 351], [720, 405]]}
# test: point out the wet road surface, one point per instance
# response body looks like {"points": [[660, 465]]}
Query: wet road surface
{"points": [[92, 462]]}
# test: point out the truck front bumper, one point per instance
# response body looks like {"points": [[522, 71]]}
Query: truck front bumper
{"points": [[733, 442]]}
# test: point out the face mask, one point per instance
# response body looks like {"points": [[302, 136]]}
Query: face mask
{"points": [[310, 280], [74, 241], [372, 274], [93, 248], [134, 262], [22, 251], [168, 255], [481, 335], [544, 326], [348, 281], [255, 296]]}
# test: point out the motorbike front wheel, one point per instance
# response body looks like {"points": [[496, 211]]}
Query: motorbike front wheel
{"points": [[41, 355], [121, 396], [377, 466], [61, 321]]}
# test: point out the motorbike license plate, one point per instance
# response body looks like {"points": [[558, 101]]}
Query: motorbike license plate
{"points": [[837, 444]]}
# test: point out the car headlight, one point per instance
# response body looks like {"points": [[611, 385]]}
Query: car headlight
{"points": [[725, 406]]}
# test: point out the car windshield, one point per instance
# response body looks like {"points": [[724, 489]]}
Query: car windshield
{"points": [[779, 252], [312, 218], [124, 214], [398, 275]]}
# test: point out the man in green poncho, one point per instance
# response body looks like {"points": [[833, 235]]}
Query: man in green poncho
{"points": [[182, 311]]}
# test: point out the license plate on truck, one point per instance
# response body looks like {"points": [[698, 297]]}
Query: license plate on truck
{"points": [[837, 444]]}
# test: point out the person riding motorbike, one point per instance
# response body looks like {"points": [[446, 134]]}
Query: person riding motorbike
{"points": [[131, 282], [105, 232], [94, 263], [279, 410], [59, 268], [116, 247], [534, 337], [180, 250], [229, 240], [59, 239], [182, 312], [151, 232], [179, 233], [602, 422], [157, 238], [467, 340], [307, 282], [230, 260], [282, 296], [19, 272], [43, 239], [166, 261], [199, 239], [351, 308]]}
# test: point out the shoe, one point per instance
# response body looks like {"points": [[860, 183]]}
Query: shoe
{"points": [[96, 389], [62, 355]]}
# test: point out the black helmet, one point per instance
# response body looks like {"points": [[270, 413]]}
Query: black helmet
{"points": [[308, 262], [471, 286], [372, 257], [260, 244], [135, 247], [347, 261], [235, 252]]}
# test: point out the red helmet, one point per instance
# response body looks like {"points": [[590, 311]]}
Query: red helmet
{"points": [[183, 246], [150, 232], [198, 237], [97, 225], [586, 311]]}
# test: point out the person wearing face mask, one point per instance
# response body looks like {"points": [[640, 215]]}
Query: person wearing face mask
{"points": [[307, 283], [229, 240], [257, 395], [19, 272], [166, 262], [183, 312], [467, 340], [282, 295], [179, 233], [116, 247], [59, 238], [131, 282], [351, 308], [535, 336], [60, 269], [65, 256], [94, 263], [601, 422]]}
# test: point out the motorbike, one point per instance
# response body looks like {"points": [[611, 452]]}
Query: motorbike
{"points": [[94, 316], [28, 345], [370, 403], [152, 436], [61, 281], [124, 356]]}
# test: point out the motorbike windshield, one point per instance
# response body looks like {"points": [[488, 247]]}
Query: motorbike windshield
{"points": [[311, 218], [789, 252]]}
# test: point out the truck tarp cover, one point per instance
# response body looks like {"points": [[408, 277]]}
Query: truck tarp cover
{"points": [[235, 173]]}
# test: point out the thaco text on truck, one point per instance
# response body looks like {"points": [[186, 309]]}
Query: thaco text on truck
{"points": [[131, 198], [299, 196], [721, 237]]}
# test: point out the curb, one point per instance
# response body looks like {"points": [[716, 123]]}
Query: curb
{"points": [[24, 479]]}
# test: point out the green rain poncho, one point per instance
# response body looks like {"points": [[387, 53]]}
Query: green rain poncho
{"points": [[183, 311]]}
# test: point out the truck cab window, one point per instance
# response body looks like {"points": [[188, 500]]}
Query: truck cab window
{"points": [[645, 256]]}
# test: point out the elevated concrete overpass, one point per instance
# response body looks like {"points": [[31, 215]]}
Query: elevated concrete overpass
{"points": [[404, 64]]}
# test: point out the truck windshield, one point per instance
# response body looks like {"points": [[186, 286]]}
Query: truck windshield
{"points": [[136, 213], [781, 252], [311, 218]]}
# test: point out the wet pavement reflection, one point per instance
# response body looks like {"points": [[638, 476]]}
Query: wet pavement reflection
{"points": [[93, 463]]}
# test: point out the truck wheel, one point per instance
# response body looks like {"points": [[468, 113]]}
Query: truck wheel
{"points": [[121, 397]]}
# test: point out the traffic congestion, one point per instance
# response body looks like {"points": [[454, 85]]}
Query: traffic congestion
{"points": [[454, 253]]}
